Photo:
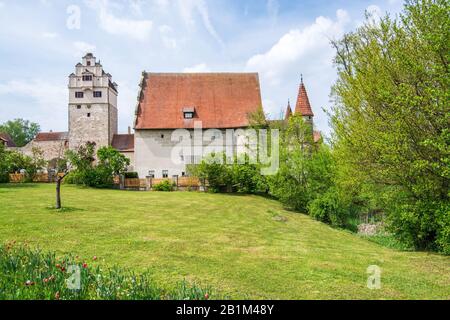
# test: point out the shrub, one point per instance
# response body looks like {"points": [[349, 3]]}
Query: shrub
{"points": [[165, 185], [329, 208], [44, 277], [131, 175]]}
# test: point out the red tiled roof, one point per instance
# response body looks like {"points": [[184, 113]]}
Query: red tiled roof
{"points": [[7, 138], [123, 142], [303, 106], [221, 100], [288, 111], [51, 136]]}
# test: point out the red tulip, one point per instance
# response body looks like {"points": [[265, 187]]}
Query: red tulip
{"points": [[85, 265], [206, 296], [94, 258]]}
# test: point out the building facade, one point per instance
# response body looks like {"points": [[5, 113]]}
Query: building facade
{"points": [[180, 117]]}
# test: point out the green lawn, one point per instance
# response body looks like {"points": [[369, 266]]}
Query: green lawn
{"points": [[243, 246]]}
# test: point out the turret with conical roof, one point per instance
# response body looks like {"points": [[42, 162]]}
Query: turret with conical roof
{"points": [[288, 111], [303, 106]]}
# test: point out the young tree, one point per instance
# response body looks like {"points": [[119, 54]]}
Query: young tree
{"points": [[21, 131], [391, 117]]}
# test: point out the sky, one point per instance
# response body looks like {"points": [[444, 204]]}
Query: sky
{"points": [[41, 41]]}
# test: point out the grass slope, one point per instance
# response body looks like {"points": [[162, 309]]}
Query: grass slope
{"points": [[244, 246]]}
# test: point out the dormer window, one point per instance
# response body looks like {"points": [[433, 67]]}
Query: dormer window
{"points": [[188, 112]]}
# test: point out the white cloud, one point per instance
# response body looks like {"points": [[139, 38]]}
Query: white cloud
{"points": [[202, 67], [50, 101], [136, 29], [312, 41], [187, 9], [375, 12], [168, 40], [81, 48]]}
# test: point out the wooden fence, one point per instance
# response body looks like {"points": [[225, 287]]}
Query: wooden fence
{"points": [[149, 183], [40, 178]]}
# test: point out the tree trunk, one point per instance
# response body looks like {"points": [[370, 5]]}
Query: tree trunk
{"points": [[58, 192]]}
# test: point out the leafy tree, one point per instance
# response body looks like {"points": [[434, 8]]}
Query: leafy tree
{"points": [[21, 131], [391, 118], [112, 159], [4, 165]]}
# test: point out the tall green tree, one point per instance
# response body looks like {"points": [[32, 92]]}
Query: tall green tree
{"points": [[392, 117], [21, 131]]}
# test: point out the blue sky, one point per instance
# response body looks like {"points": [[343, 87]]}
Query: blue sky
{"points": [[42, 40]]}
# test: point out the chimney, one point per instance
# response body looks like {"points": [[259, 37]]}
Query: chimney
{"points": [[129, 130]]}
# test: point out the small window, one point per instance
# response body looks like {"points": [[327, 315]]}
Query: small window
{"points": [[162, 136], [87, 78], [188, 115], [79, 106], [88, 106], [151, 173], [89, 115], [79, 94], [97, 94], [165, 173], [88, 63], [183, 174]]}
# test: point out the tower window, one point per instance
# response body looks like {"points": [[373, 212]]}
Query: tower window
{"points": [[97, 94], [88, 63], [87, 78], [79, 94], [89, 115], [79, 106]]}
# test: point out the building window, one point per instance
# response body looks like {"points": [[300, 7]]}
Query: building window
{"points": [[188, 115], [88, 63], [89, 115], [162, 136], [151, 173], [87, 78], [183, 174], [79, 94], [165, 173], [79, 106], [97, 94]]}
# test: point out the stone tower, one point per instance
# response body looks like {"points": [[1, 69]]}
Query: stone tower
{"points": [[92, 104]]}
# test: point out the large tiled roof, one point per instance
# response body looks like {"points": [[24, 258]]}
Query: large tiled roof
{"points": [[51, 136], [220, 100], [123, 142]]}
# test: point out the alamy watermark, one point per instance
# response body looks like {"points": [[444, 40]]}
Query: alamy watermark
{"points": [[227, 146]]}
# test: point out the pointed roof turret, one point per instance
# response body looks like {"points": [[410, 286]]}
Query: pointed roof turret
{"points": [[303, 106], [288, 111]]}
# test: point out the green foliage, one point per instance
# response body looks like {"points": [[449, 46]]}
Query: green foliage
{"points": [[110, 163], [214, 170], [165, 185], [13, 161], [112, 160], [330, 208], [391, 119], [21, 131], [27, 274], [247, 178]]}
